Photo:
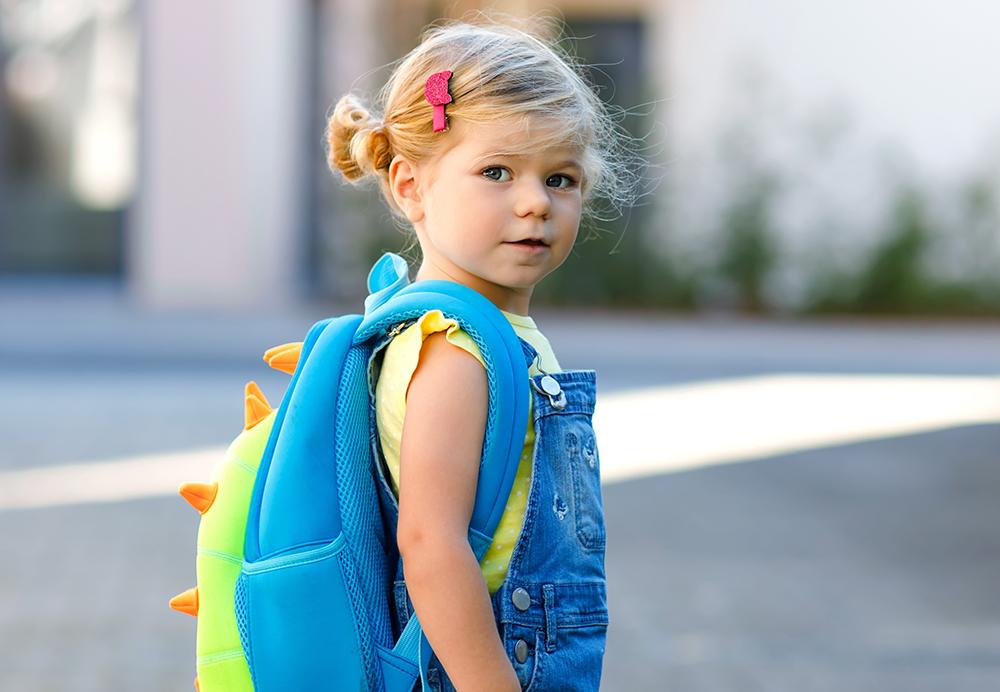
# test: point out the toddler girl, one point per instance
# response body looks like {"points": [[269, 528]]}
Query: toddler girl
{"points": [[492, 146]]}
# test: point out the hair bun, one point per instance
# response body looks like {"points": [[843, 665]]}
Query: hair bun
{"points": [[359, 144]]}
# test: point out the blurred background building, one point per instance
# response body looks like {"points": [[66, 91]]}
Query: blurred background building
{"points": [[806, 156]]}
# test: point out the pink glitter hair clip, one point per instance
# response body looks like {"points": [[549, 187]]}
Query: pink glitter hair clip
{"points": [[436, 93]]}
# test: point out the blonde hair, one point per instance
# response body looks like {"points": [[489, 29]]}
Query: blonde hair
{"points": [[499, 71]]}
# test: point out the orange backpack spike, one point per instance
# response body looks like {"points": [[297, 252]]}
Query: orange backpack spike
{"points": [[256, 408], [186, 602], [201, 496], [284, 357]]}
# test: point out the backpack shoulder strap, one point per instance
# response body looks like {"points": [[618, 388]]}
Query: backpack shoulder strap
{"points": [[507, 376]]}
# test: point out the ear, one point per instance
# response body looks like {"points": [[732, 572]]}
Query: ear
{"points": [[405, 187]]}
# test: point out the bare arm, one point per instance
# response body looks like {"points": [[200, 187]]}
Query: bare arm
{"points": [[442, 442]]}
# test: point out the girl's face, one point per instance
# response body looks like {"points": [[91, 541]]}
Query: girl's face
{"points": [[491, 212]]}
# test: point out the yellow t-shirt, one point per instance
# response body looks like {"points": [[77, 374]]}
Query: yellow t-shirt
{"points": [[398, 366]]}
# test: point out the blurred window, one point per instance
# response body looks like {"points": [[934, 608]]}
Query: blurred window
{"points": [[68, 133], [613, 50]]}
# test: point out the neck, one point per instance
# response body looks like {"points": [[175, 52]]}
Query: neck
{"points": [[512, 300]]}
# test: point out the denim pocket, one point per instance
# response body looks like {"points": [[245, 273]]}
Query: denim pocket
{"points": [[586, 470], [529, 673], [576, 663]]}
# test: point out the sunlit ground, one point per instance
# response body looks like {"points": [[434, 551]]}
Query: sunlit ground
{"points": [[695, 425]]}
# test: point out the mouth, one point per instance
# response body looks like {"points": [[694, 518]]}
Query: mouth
{"points": [[530, 242]]}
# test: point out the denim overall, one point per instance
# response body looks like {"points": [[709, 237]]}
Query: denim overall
{"points": [[551, 610]]}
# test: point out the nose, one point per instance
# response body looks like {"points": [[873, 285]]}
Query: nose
{"points": [[533, 199]]}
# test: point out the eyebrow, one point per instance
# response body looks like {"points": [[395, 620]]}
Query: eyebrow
{"points": [[569, 163], [566, 163]]}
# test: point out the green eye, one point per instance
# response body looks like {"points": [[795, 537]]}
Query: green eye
{"points": [[560, 181], [497, 173]]}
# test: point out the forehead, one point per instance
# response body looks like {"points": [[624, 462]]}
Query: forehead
{"points": [[516, 138]]}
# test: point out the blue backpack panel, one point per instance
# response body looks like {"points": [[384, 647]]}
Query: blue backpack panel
{"points": [[314, 595]]}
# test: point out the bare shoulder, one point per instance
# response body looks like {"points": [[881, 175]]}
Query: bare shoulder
{"points": [[448, 368]]}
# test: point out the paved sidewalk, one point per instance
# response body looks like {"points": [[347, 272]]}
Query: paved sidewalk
{"points": [[863, 567]]}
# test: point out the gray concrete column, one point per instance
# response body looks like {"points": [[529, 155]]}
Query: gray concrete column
{"points": [[217, 222]]}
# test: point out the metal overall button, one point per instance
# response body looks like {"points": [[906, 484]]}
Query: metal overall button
{"points": [[520, 599], [550, 388], [521, 651]]}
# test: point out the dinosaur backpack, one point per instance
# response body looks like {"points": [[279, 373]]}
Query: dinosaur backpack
{"points": [[294, 564]]}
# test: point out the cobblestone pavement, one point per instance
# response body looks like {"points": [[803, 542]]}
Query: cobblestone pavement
{"points": [[864, 567]]}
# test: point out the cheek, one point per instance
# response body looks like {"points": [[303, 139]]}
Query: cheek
{"points": [[465, 205], [567, 241], [570, 223]]}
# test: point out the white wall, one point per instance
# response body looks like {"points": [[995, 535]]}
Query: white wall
{"points": [[849, 99], [219, 209], [920, 73]]}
